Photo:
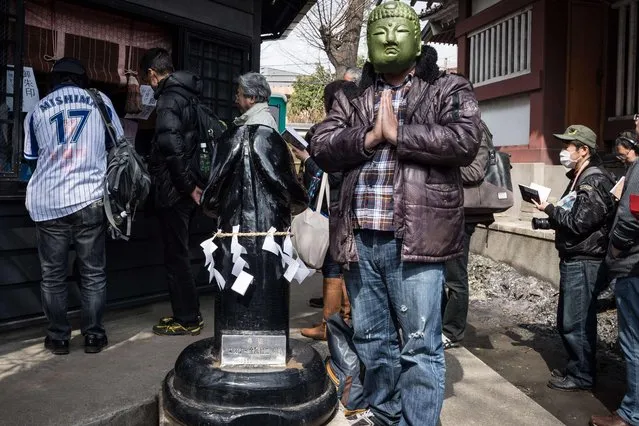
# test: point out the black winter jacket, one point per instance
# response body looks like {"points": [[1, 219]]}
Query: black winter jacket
{"points": [[582, 232], [625, 232], [173, 164], [313, 177]]}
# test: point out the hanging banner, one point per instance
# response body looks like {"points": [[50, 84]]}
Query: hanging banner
{"points": [[30, 93]]}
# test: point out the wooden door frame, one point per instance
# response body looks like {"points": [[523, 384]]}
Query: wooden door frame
{"points": [[603, 64]]}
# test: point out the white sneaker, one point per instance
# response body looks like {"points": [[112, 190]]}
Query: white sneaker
{"points": [[448, 343], [364, 418]]}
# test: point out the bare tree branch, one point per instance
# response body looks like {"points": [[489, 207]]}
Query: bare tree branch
{"points": [[334, 26]]}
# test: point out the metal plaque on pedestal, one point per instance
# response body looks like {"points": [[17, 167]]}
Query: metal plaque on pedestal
{"points": [[253, 350]]}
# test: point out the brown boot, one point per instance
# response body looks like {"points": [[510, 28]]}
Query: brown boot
{"points": [[346, 304], [332, 290], [315, 333]]}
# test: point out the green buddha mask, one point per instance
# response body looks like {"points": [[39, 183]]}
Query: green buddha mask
{"points": [[394, 37]]}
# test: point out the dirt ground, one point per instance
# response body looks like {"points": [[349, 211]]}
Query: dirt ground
{"points": [[512, 329]]}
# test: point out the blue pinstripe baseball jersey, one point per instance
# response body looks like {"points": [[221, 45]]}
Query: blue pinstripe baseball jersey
{"points": [[67, 136]]}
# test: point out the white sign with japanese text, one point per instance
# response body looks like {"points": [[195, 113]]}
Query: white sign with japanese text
{"points": [[148, 104], [30, 93]]}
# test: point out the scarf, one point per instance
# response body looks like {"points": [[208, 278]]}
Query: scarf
{"points": [[258, 114]]}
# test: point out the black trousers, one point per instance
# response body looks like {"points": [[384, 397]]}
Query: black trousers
{"points": [[455, 302], [174, 224], [85, 230]]}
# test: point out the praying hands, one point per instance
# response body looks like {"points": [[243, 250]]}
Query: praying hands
{"points": [[386, 124]]}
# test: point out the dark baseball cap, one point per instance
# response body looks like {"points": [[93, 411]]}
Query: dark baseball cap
{"points": [[69, 66], [580, 133]]}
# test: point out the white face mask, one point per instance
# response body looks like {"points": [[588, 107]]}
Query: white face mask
{"points": [[565, 158]]}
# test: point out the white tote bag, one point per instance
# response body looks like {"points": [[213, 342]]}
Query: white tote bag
{"points": [[310, 230]]}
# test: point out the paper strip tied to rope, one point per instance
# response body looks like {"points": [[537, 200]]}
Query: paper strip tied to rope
{"points": [[244, 279], [295, 268], [209, 247]]}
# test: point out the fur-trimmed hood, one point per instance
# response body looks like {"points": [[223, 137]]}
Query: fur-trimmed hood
{"points": [[426, 69]]}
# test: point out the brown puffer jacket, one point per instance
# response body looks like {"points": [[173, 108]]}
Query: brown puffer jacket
{"points": [[441, 132]]}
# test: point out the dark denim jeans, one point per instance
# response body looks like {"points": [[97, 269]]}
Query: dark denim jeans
{"points": [[455, 303], [85, 229], [627, 295], [330, 268], [579, 284], [174, 224], [404, 381]]}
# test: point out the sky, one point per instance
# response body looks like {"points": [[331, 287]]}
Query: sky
{"points": [[296, 55]]}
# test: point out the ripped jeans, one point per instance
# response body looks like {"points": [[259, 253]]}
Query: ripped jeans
{"points": [[404, 380]]}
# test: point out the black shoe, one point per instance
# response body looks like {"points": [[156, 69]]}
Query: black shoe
{"points": [[448, 343], [566, 384], [94, 344], [174, 328], [57, 347], [558, 373], [171, 320], [317, 302]]}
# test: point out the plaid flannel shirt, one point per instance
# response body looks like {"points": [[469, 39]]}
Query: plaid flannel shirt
{"points": [[373, 197]]}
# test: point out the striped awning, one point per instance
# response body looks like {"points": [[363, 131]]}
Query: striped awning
{"points": [[106, 43]]}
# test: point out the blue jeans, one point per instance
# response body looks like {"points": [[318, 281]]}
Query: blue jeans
{"points": [[404, 381], [579, 283], [627, 295], [330, 268], [85, 229]]}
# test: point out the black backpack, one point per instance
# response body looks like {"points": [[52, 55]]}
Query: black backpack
{"points": [[127, 182], [209, 129]]}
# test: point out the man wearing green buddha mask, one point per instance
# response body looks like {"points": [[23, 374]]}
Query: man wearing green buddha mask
{"points": [[394, 39], [399, 136]]}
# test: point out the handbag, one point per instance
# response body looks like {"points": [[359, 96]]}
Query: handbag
{"points": [[495, 192], [310, 230]]}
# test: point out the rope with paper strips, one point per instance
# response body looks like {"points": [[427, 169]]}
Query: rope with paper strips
{"points": [[295, 268]]}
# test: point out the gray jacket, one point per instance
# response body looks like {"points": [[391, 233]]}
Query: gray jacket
{"points": [[625, 232]]}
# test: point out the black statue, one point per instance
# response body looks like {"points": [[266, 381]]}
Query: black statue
{"points": [[253, 184]]}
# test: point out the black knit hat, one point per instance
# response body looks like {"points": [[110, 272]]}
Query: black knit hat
{"points": [[69, 66]]}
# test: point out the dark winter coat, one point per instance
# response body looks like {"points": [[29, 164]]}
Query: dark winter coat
{"points": [[173, 164], [440, 133], [582, 231], [625, 231]]}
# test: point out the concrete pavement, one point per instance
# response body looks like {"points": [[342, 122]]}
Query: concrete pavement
{"points": [[120, 385]]}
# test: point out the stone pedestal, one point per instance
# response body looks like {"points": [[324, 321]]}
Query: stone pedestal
{"points": [[199, 392]]}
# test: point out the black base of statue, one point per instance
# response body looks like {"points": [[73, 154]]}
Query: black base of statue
{"points": [[199, 392]]}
